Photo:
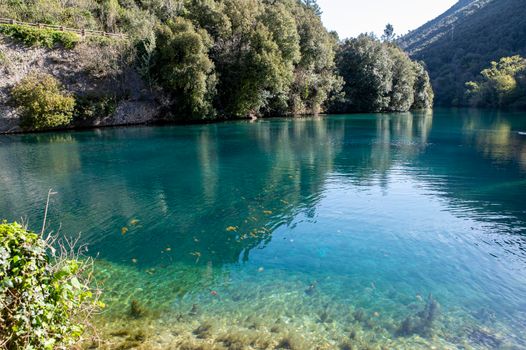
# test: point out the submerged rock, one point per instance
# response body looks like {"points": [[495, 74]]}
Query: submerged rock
{"points": [[422, 322], [311, 288], [484, 337], [359, 315], [203, 331], [486, 315], [194, 310]]}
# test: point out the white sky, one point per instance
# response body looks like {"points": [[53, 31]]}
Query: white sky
{"points": [[352, 17]]}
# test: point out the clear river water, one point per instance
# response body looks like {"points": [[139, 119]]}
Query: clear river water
{"points": [[368, 231]]}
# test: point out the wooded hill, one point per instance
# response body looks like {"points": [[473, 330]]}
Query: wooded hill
{"points": [[459, 44]]}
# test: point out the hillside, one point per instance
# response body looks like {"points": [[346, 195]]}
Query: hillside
{"points": [[461, 42]]}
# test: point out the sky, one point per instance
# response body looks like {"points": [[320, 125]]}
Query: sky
{"points": [[352, 17]]}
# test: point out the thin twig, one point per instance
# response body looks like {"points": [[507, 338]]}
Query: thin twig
{"points": [[50, 192]]}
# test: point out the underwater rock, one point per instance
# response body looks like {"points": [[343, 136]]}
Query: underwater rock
{"points": [[203, 331], [422, 322], [120, 333], [325, 316], [486, 315], [194, 310], [136, 310], [359, 315], [291, 342], [311, 288], [132, 342], [346, 345], [484, 337], [233, 340]]}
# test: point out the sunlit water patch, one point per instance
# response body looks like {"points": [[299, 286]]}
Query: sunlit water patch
{"points": [[345, 232]]}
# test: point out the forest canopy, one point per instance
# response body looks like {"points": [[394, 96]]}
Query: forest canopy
{"points": [[460, 43], [235, 58], [503, 84], [380, 77]]}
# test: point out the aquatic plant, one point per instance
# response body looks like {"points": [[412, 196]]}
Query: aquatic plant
{"points": [[45, 294], [136, 310], [422, 322]]}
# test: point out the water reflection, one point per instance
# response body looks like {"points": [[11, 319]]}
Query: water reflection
{"points": [[213, 193], [496, 137], [320, 226]]}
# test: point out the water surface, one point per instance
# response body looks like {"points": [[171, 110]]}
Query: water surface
{"points": [[364, 231]]}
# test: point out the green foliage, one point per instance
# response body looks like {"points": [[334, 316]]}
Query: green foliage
{"points": [[380, 77], [313, 6], [315, 75], [501, 85], [42, 102], [184, 68], [389, 33], [236, 58], [43, 297], [73, 13], [460, 43], [424, 94], [88, 108], [33, 36], [251, 67]]}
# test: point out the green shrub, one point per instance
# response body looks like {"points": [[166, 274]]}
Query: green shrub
{"points": [[40, 37], [42, 102], [91, 107], [43, 296]]}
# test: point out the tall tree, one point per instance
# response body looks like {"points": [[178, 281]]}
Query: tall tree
{"points": [[389, 33]]}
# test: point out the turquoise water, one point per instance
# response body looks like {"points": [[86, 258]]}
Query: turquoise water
{"points": [[402, 231]]}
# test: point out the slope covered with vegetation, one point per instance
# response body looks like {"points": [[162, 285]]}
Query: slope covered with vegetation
{"points": [[503, 84], [459, 44], [213, 58], [208, 59]]}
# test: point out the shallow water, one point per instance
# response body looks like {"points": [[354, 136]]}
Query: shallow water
{"points": [[402, 231]]}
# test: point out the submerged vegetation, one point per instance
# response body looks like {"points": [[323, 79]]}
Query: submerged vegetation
{"points": [[45, 293]]}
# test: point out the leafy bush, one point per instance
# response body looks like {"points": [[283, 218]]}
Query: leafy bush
{"points": [[40, 37], [43, 294], [42, 102], [90, 107], [501, 85]]}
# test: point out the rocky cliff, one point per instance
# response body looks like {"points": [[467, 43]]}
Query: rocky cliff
{"points": [[85, 71]]}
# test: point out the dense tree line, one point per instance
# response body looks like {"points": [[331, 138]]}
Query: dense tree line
{"points": [[501, 85], [459, 44], [234, 58], [237, 58], [380, 77], [215, 57]]}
